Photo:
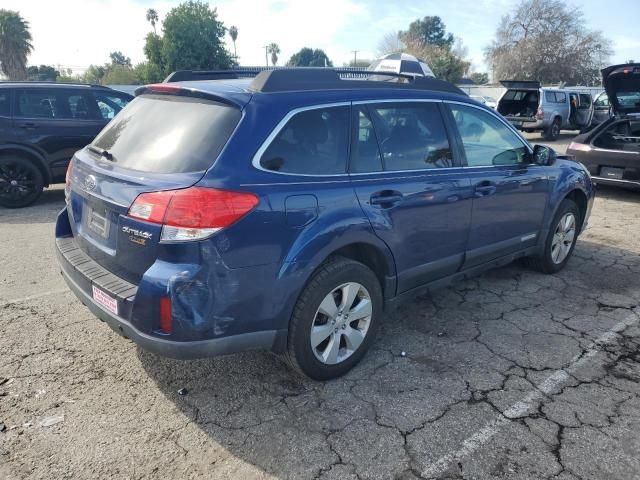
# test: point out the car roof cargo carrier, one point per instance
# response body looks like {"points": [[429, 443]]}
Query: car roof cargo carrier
{"points": [[318, 78]]}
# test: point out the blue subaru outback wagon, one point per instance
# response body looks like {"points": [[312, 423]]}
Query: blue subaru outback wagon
{"points": [[288, 211]]}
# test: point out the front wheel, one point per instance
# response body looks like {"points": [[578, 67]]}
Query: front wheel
{"points": [[552, 132], [560, 241], [335, 319], [20, 182]]}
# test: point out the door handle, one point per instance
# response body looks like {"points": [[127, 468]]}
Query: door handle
{"points": [[28, 125], [386, 198], [484, 189]]}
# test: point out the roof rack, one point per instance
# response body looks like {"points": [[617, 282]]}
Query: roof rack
{"points": [[295, 79], [270, 80], [52, 82], [191, 75]]}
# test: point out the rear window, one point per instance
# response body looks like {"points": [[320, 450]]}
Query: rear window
{"points": [[168, 134]]}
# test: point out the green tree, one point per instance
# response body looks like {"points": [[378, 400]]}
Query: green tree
{"points": [[233, 33], [427, 31], [15, 44], [153, 49], [120, 75], [309, 57], [118, 58], [94, 74], [152, 18], [45, 73], [194, 39], [274, 51], [480, 78], [148, 72]]}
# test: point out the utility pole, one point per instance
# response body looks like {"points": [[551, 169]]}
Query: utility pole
{"points": [[355, 57], [266, 55]]}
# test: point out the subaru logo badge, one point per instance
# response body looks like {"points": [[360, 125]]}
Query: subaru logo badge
{"points": [[90, 183]]}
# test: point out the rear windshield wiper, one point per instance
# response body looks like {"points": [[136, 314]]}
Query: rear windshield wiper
{"points": [[101, 151]]}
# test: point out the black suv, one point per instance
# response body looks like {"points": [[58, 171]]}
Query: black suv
{"points": [[41, 127]]}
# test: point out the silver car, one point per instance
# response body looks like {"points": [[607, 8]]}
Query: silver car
{"points": [[530, 107]]}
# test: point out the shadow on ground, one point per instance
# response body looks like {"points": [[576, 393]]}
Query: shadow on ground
{"points": [[471, 352], [43, 211]]}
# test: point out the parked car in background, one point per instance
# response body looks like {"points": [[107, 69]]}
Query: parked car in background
{"points": [[41, 127], [285, 212], [611, 151], [601, 109], [530, 107], [485, 100]]}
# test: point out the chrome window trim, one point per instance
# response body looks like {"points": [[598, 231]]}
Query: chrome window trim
{"points": [[281, 124]]}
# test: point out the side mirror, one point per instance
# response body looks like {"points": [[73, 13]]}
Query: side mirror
{"points": [[543, 155]]}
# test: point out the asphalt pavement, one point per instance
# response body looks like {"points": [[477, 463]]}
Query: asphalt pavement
{"points": [[514, 375]]}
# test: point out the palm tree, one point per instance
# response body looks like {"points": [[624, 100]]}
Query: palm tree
{"points": [[274, 50], [15, 44], [152, 18], [233, 33]]}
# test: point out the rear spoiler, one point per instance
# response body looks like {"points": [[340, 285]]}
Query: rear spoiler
{"points": [[520, 84], [165, 89]]}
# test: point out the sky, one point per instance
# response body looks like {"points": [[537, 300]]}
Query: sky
{"points": [[76, 33]]}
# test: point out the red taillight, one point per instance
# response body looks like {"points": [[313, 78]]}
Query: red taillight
{"points": [[163, 88], [540, 114], [67, 180], [166, 321], [192, 213]]}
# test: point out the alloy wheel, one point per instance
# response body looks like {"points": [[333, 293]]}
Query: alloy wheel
{"points": [[563, 238], [16, 181], [341, 323]]}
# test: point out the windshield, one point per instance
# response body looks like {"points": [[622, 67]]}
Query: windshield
{"points": [[167, 134]]}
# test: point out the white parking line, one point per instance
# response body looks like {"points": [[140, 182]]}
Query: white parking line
{"points": [[520, 408], [33, 297]]}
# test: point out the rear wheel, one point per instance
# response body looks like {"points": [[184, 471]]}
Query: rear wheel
{"points": [[560, 241], [21, 182], [552, 132], [335, 319]]}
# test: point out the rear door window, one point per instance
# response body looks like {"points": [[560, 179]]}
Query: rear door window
{"points": [[412, 136], [168, 134], [55, 103], [313, 142], [110, 104], [365, 154]]}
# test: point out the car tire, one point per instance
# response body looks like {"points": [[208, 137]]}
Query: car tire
{"points": [[335, 319], [21, 182], [560, 241], [552, 132]]}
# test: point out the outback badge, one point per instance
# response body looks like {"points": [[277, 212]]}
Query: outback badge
{"points": [[137, 236]]}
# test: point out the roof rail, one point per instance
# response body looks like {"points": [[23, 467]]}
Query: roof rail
{"points": [[296, 79], [52, 82]]}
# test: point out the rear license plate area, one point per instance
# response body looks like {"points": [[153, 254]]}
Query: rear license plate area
{"points": [[105, 300], [97, 221], [612, 173]]}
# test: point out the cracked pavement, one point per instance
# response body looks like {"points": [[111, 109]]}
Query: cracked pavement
{"points": [[513, 375]]}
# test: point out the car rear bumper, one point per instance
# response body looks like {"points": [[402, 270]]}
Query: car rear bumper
{"points": [[82, 273]]}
